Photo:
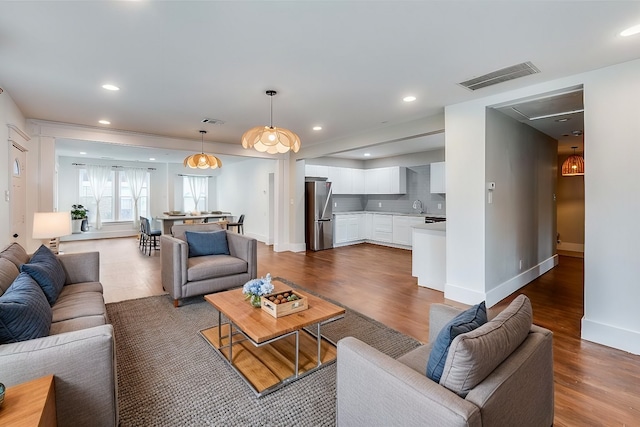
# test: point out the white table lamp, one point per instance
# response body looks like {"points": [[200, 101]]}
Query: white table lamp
{"points": [[50, 226]]}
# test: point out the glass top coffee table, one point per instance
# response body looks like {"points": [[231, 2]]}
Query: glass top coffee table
{"points": [[269, 352]]}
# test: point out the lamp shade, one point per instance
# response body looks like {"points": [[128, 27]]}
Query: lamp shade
{"points": [[574, 165], [48, 225], [271, 139]]}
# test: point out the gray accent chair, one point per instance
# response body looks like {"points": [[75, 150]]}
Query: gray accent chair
{"points": [[374, 389], [184, 277]]}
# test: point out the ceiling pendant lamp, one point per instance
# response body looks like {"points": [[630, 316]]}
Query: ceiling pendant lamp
{"points": [[201, 160], [574, 165], [271, 139]]}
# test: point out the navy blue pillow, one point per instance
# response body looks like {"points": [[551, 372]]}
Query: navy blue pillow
{"points": [[24, 311], [207, 243], [47, 271], [464, 322]]}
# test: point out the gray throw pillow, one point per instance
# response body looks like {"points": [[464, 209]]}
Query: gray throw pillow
{"points": [[24, 311], [47, 271], [466, 321], [207, 243]]}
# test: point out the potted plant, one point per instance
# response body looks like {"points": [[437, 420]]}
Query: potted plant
{"points": [[79, 218]]}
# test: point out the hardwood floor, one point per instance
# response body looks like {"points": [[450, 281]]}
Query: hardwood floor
{"points": [[594, 385]]}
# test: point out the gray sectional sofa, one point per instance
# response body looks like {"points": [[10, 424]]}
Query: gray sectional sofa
{"points": [[79, 349], [184, 275], [500, 374]]}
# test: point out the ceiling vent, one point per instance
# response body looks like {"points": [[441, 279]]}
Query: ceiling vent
{"points": [[213, 121], [503, 75]]}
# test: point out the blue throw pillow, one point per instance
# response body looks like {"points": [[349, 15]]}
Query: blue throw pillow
{"points": [[464, 322], [47, 271], [207, 243], [24, 311]]}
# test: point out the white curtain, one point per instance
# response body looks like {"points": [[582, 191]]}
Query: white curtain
{"points": [[197, 184], [136, 178], [98, 177]]}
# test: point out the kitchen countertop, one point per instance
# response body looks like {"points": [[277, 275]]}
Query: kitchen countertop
{"points": [[435, 226], [391, 213]]}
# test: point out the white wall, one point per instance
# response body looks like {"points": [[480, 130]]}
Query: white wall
{"points": [[570, 210], [612, 186], [243, 188], [612, 203], [520, 221]]}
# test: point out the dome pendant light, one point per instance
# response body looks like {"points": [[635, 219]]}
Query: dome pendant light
{"points": [[574, 165], [271, 139], [202, 161]]}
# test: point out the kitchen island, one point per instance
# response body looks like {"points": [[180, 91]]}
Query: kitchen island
{"points": [[429, 255]]}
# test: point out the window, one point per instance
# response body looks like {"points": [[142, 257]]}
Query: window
{"points": [[199, 185], [116, 204]]}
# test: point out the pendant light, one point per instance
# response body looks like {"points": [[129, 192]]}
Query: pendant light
{"points": [[269, 138], [574, 165], [201, 160]]}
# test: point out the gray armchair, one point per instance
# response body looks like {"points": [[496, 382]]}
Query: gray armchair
{"points": [[376, 390], [185, 277]]}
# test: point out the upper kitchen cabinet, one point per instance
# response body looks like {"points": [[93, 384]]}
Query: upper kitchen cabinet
{"points": [[316, 170], [391, 180], [438, 182]]}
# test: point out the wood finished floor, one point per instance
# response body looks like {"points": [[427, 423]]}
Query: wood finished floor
{"points": [[594, 385]]}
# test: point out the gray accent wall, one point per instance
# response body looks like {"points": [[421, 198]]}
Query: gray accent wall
{"points": [[521, 219]]}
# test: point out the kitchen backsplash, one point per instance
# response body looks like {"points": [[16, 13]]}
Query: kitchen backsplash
{"points": [[418, 188]]}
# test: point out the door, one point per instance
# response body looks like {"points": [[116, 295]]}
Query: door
{"points": [[18, 196]]}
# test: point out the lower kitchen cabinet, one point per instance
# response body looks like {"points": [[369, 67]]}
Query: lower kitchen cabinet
{"points": [[382, 228], [346, 228], [402, 228]]}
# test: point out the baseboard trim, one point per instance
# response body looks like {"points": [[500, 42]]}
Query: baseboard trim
{"points": [[573, 247], [505, 289], [497, 294], [611, 336]]}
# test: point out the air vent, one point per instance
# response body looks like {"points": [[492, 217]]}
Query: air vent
{"points": [[503, 75], [213, 121]]}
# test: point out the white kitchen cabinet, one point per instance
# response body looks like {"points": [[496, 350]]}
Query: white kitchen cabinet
{"points": [[346, 229], [390, 180], [316, 170], [368, 226], [382, 228], [438, 182], [357, 179], [402, 228]]}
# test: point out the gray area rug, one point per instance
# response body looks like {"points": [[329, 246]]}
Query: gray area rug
{"points": [[168, 375]]}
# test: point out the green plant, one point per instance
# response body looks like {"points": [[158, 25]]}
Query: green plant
{"points": [[78, 212]]}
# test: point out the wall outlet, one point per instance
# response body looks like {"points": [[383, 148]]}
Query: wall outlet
{"points": [[379, 204], [520, 264], [439, 205], [335, 204]]}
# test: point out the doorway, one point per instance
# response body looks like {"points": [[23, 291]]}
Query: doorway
{"points": [[18, 196]]}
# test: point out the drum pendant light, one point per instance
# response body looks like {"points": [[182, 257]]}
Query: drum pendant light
{"points": [[574, 165], [271, 139], [201, 160]]}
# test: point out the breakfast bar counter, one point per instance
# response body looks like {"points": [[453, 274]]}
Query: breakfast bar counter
{"points": [[429, 255], [169, 220]]}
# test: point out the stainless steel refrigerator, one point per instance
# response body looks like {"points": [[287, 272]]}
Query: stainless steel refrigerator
{"points": [[318, 215]]}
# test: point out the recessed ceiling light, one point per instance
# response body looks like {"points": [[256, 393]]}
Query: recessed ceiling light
{"points": [[317, 128], [631, 31], [367, 154], [152, 158], [104, 122], [110, 87], [409, 98], [83, 152]]}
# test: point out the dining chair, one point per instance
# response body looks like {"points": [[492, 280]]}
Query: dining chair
{"points": [[149, 235], [239, 225]]}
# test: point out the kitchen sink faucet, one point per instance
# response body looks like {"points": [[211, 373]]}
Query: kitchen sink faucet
{"points": [[417, 204]]}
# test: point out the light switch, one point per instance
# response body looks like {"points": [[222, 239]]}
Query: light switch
{"points": [[335, 204], [439, 205], [379, 204]]}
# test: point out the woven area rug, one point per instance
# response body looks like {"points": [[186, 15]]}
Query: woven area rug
{"points": [[168, 375]]}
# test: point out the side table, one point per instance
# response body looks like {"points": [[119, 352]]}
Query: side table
{"points": [[30, 404]]}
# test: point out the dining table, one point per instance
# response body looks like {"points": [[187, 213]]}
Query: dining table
{"points": [[168, 219]]}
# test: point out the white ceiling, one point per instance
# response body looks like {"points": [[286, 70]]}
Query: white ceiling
{"points": [[343, 65]]}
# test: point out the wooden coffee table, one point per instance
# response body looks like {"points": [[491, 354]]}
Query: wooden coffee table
{"points": [[269, 353]]}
